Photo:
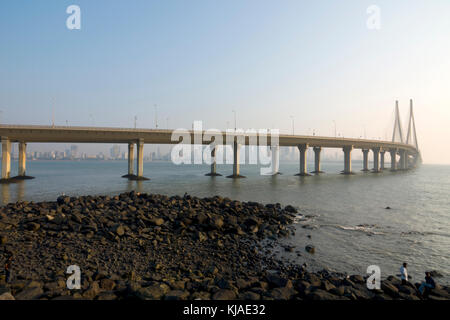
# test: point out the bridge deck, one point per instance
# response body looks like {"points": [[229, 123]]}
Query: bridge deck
{"points": [[67, 134]]}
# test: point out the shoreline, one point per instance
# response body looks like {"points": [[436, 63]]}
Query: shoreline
{"points": [[149, 246]]}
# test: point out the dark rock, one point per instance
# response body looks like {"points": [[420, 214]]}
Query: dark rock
{"points": [[276, 280], [30, 293], [310, 249], [177, 295], [389, 289], [224, 294]]}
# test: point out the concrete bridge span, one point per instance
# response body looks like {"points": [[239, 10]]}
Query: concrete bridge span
{"points": [[23, 134]]}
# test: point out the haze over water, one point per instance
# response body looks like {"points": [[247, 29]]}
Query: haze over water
{"points": [[347, 219]]}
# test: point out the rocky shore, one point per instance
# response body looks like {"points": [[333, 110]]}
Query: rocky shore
{"points": [[147, 246]]}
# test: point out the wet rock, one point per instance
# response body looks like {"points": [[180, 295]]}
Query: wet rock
{"points": [[310, 249], [290, 209]]}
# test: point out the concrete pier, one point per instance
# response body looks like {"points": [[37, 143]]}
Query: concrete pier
{"points": [[317, 151], [22, 159], [236, 156], [347, 159], [303, 148], [376, 160], [213, 172], [6, 158], [382, 159], [365, 160], [393, 153], [140, 158], [275, 159]]}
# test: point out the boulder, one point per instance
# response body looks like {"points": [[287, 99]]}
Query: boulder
{"points": [[224, 294], [30, 293], [310, 249], [6, 296], [177, 295]]}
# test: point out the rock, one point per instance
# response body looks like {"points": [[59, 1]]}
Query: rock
{"points": [[327, 285], [33, 226], [177, 295], [107, 295], [6, 296], [389, 289], [201, 236], [30, 293], [93, 291], [107, 284], [320, 294], [63, 200], [357, 279], [216, 222], [224, 294], [290, 209], [249, 295], [311, 249], [157, 221], [276, 280], [338, 291], [154, 292], [120, 231], [388, 208], [282, 293]]}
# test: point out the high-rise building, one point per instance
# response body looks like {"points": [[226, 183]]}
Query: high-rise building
{"points": [[115, 151]]}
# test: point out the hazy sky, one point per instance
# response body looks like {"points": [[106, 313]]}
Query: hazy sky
{"points": [[198, 60]]}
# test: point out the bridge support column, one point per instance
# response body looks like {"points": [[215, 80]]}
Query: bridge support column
{"points": [[22, 159], [236, 157], [303, 148], [365, 159], [382, 160], [376, 160], [6, 158], [275, 159], [140, 158], [317, 151], [393, 153], [347, 159], [130, 173], [213, 172]]}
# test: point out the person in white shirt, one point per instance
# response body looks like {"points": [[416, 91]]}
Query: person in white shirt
{"points": [[404, 273]]}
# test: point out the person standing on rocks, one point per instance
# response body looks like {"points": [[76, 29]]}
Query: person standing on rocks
{"points": [[404, 273]]}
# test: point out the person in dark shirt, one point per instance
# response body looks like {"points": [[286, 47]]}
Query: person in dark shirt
{"points": [[428, 283]]}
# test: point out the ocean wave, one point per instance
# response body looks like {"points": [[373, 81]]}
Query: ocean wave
{"points": [[366, 228]]}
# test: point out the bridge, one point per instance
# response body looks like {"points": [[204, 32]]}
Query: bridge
{"points": [[403, 154]]}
